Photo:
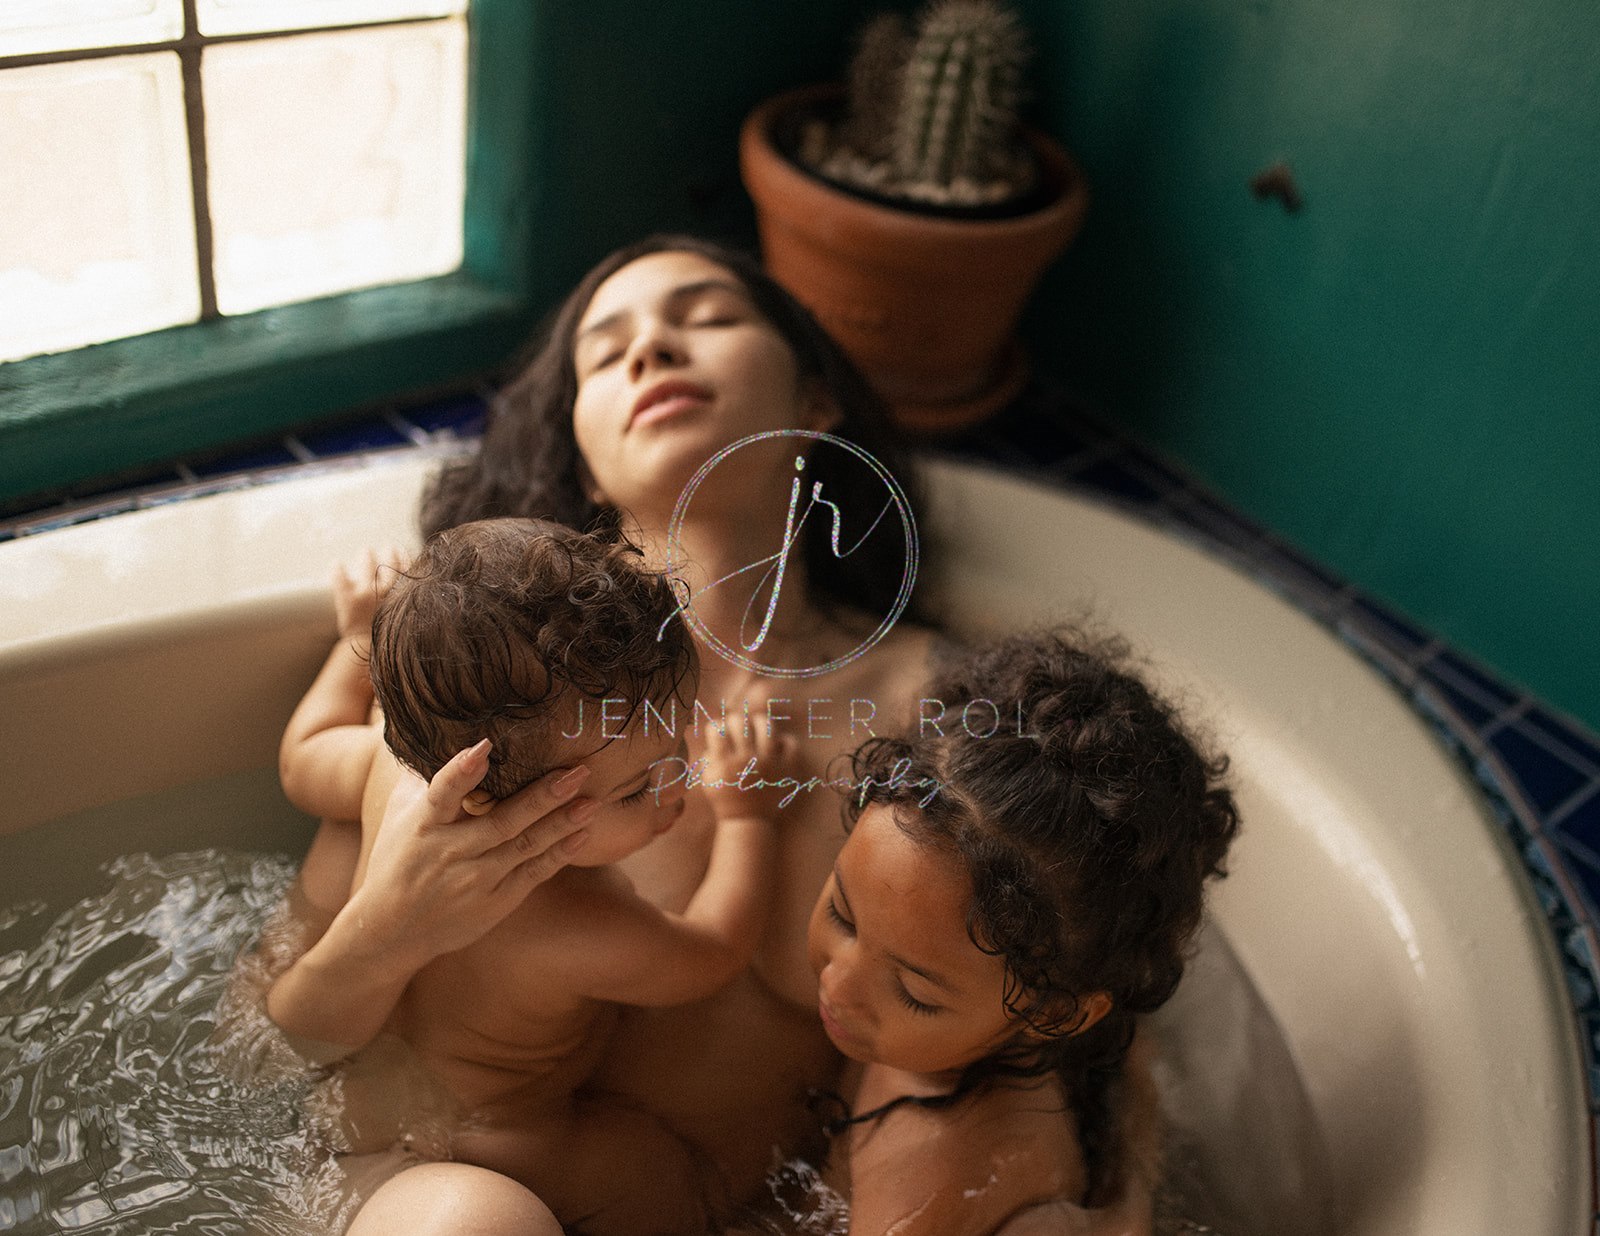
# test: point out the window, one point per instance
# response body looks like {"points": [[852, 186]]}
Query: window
{"points": [[263, 282]]}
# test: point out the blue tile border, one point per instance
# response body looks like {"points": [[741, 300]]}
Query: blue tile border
{"points": [[353, 439], [1539, 771], [461, 416]]}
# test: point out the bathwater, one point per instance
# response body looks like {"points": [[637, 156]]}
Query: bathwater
{"points": [[130, 1104], [123, 1108]]}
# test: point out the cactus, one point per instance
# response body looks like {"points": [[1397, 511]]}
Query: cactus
{"points": [[876, 71], [933, 111], [959, 95]]}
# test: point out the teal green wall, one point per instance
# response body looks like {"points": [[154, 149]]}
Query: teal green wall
{"points": [[1404, 378], [642, 106]]}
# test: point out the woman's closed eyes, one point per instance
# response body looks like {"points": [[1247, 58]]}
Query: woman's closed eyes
{"points": [[702, 305]]}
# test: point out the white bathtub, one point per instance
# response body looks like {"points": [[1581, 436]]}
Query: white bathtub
{"points": [[148, 663]]}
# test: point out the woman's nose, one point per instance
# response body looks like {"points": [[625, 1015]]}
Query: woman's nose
{"points": [[656, 346]]}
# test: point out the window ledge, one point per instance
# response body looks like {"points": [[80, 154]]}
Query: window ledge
{"points": [[119, 405]]}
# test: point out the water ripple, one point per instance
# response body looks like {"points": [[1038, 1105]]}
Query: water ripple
{"points": [[119, 1111]]}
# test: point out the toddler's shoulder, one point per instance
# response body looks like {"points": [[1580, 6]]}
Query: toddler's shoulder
{"points": [[980, 1161]]}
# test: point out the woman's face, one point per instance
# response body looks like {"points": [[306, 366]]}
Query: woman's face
{"points": [[674, 362], [900, 981]]}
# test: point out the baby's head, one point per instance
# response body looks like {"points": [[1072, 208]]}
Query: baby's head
{"points": [[1047, 893], [503, 629]]}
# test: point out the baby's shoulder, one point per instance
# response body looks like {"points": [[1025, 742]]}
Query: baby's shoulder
{"points": [[562, 928], [574, 901]]}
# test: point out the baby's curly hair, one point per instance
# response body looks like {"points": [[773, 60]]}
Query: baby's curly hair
{"points": [[500, 624], [1089, 839]]}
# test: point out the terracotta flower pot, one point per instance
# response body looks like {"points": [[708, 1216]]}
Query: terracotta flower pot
{"points": [[926, 305]]}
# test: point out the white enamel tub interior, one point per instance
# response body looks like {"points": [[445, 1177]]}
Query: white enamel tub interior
{"points": [[149, 661]]}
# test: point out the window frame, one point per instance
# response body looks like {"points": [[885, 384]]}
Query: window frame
{"points": [[112, 407]]}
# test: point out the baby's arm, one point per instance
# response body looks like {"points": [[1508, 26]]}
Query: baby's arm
{"points": [[646, 956], [328, 745]]}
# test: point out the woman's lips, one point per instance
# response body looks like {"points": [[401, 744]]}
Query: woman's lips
{"points": [[666, 399]]}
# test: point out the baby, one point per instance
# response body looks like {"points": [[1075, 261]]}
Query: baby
{"points": [[983, 954], [522, 650]]}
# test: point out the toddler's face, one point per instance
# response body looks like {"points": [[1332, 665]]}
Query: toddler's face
{"points": [[900, 981], [623, 780]]}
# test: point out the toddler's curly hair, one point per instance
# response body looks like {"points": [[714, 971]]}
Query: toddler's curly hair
{"points": [[500, 625], [1088, 837]]}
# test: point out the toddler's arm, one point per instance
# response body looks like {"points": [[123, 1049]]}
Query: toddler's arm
{"points": [[645, 956], [328, 745]]}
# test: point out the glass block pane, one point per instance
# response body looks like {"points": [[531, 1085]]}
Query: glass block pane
{"points": [[254, 16], [336, 161], [28, 26], [98, 238]]}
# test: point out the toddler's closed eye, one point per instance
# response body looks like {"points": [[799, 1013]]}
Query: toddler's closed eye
{"points": [[838, 919], [915, 1005]]}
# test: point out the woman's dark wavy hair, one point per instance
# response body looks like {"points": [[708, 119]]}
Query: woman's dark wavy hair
{"points": [[499, 624], [1089, 839], [528, 462]]}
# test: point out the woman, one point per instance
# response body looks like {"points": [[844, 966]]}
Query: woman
{"points": [[667, 354]]}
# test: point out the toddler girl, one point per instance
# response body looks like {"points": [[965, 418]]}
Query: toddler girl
{"points": [[983, 956]]}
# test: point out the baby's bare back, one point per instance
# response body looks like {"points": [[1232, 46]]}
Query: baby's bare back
{"points": [[494, 1021], [496, 1029]]}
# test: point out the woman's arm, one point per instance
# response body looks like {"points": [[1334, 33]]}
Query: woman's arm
{"points": [[437, 879]]}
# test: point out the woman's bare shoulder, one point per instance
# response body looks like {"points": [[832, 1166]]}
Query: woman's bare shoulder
{"points": [[896, 669]]}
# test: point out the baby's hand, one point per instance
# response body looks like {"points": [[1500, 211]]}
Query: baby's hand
{"points": [[757, 772], [356, 594]]}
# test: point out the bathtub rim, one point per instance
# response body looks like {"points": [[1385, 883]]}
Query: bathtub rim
{"points": [[299, 595]]}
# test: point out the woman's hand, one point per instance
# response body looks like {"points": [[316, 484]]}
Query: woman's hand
{"points": [[448, 865], [1132, 1211], [1065, 1219], [436, 880]]}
